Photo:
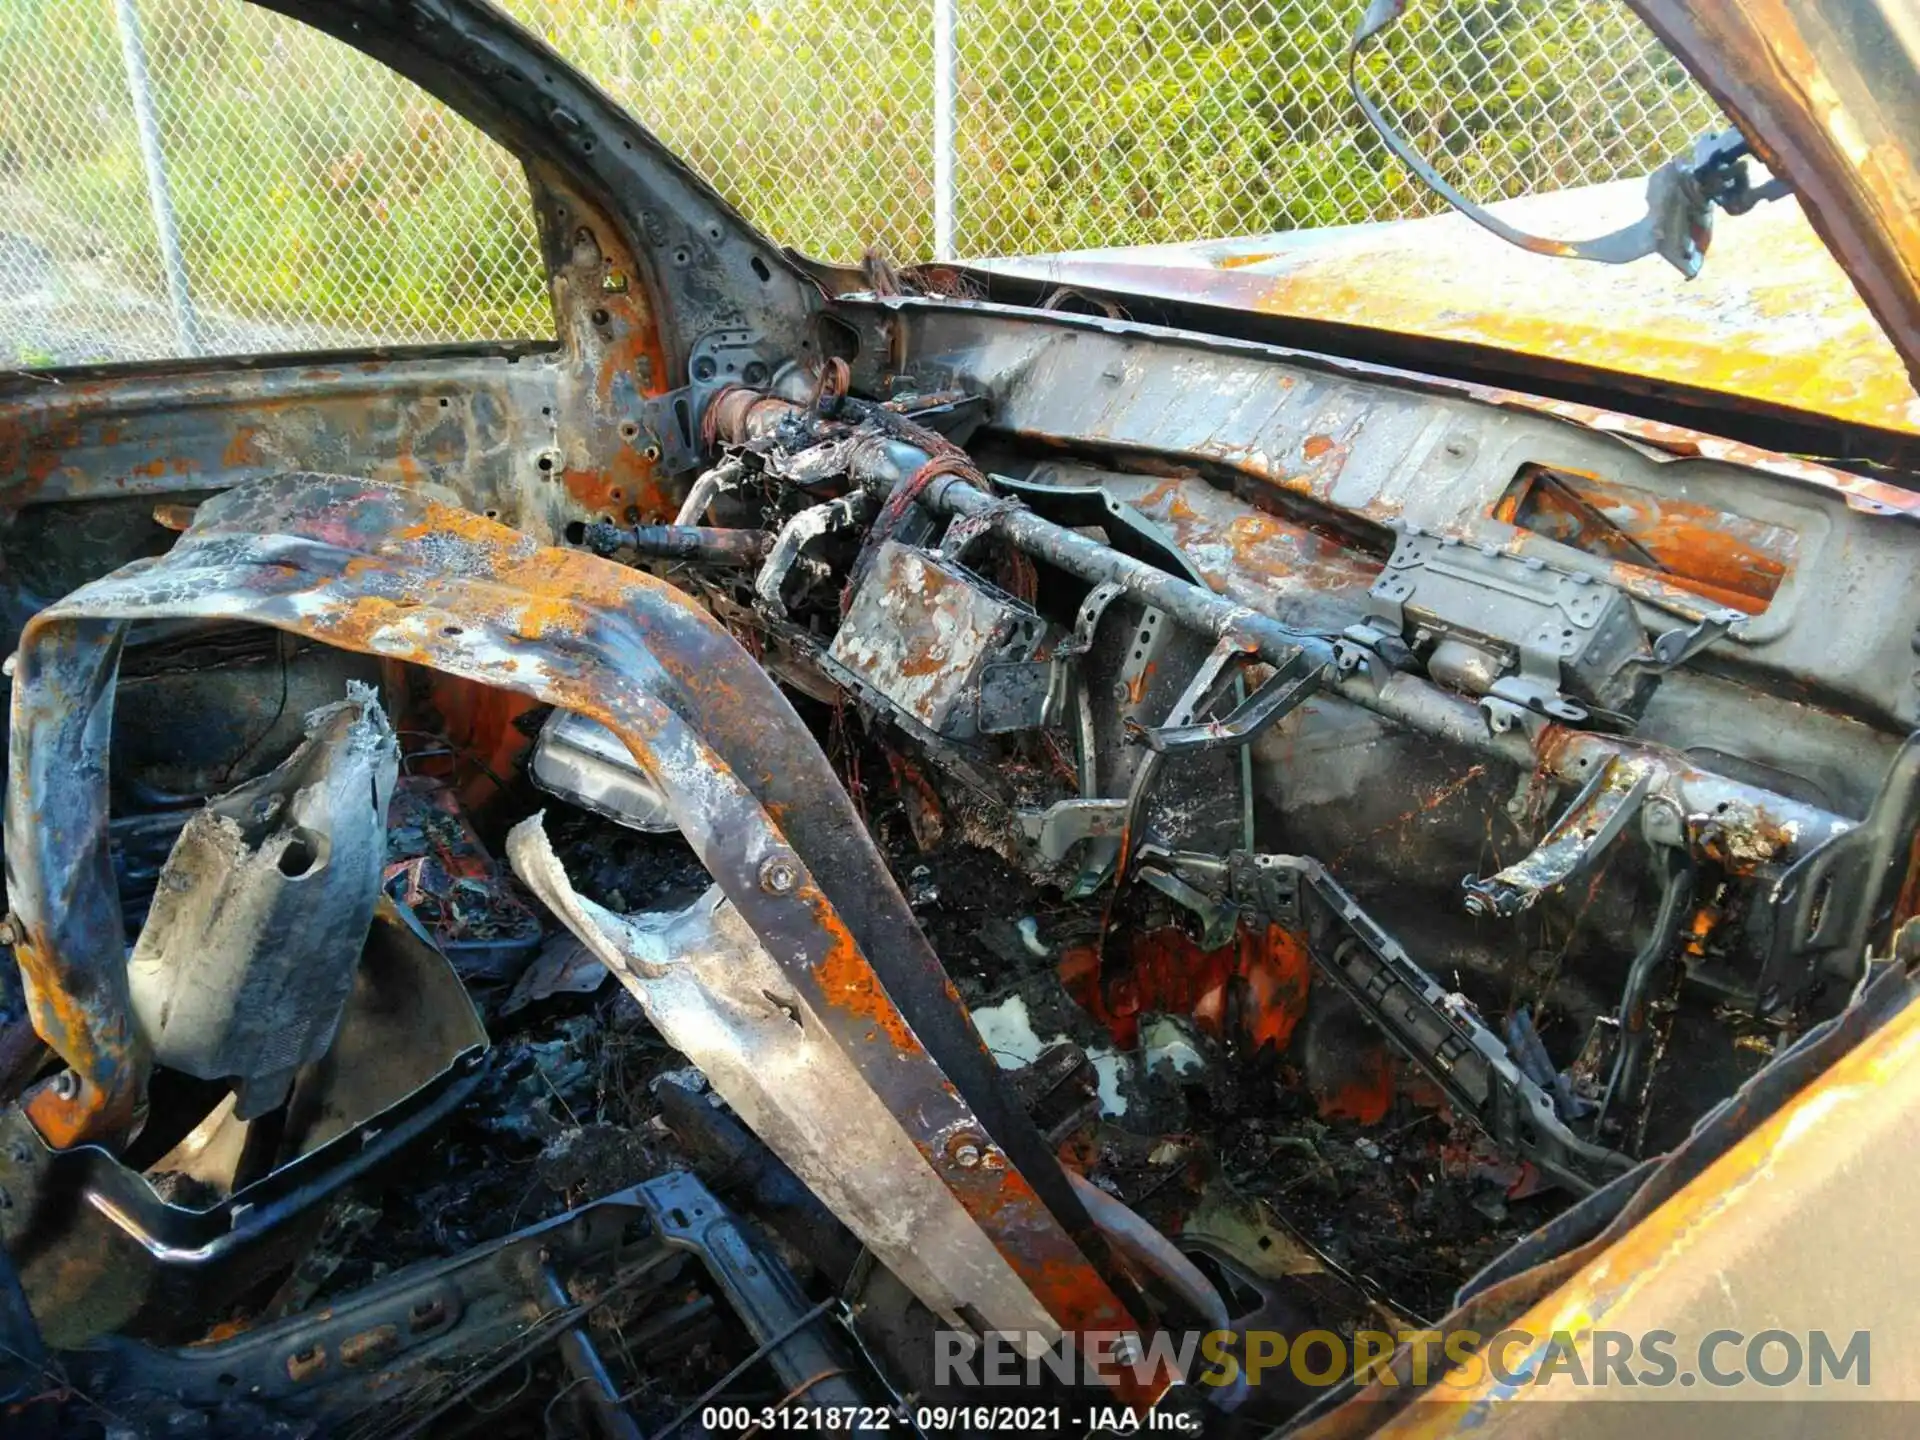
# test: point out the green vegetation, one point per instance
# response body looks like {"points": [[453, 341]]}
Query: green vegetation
{"points": [[314, 187]]}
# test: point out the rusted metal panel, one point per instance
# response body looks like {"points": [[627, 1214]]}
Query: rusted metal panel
{"points": [[609, 455], [477, 425], [388, 572], [1358, 447], [923, 632]]}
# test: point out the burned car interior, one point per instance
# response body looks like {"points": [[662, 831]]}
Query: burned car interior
{"points": [[558, 886]]}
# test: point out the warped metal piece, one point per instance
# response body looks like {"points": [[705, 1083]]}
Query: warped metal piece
{"points": [[721, 1000], [385, 571], [1596, 818], [262, 907], [100, 1250], [1677, 225]]}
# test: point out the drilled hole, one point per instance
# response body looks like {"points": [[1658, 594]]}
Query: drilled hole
{"points": [[299, 859]]}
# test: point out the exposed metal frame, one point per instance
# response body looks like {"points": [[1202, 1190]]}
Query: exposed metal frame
{"points": [[385, 571]]}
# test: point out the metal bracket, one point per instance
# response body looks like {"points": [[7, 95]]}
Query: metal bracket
{"points": [[381, 1348], [1515, 700], [1436, 1029], [719, 358], [1826, 906], [1557, 642], [1029, 694], [1064, 824], [1675, 647], [1595, 819], [1275, 698]]}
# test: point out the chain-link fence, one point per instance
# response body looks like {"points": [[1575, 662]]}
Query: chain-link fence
{"points": [[201, 176]]}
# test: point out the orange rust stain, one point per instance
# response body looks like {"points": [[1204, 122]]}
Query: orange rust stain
{"points": [[926, 817], [72, 1029], [1315, 446], [243, 451], [1700, 930], [1137, 686], [1256, 987], [613, 336], [1728, 559], [848, 982], [1263, 549], [930, 661]]}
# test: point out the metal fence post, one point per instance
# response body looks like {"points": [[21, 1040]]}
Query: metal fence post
{"points": [[133, 52], [943, 129]]}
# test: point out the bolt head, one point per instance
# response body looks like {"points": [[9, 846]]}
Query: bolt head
{"points": [[778, 875], [967, 1150]]}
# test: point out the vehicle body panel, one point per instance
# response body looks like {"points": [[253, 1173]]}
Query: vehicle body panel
{"points": [[1771, 320]]}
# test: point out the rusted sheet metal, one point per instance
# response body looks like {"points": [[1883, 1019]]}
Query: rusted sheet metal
{"points": [[1357, 447], [924, 634], [609, 463], [1753, 1235], [1724, 558], [1251, 555], [388, 572], [478, 425], [1828, 91], [1772, 318]]}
